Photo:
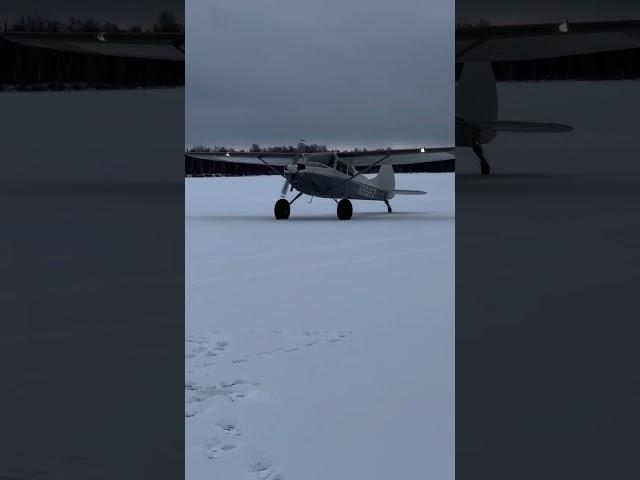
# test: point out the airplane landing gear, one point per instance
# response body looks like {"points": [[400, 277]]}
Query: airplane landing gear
{"points": [[388, 206], [345, 209], [485, 168], [282, 209]]}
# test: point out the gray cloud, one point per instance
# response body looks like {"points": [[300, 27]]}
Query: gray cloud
{"points": [[353, 72]]}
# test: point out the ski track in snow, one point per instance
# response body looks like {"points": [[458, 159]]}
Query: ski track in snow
{"points": [[202, 353]]}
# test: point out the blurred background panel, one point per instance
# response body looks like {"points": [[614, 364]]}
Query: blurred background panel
{"points": [[92, 246], [545, 239]]}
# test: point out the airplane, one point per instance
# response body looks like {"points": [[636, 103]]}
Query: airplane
{"points": [[334, 175], [477, 47], [152, 46]]}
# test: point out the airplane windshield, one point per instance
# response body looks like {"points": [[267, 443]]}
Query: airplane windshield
{"points": [[341, 166]]}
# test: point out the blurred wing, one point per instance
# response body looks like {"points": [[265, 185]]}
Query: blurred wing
{"points": [[156, 46], [273, 159], [398, 157], [524, 127], [527, 42]]}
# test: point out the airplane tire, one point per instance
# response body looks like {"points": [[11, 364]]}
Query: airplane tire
{"points": [[345, 209], [282, 209]]}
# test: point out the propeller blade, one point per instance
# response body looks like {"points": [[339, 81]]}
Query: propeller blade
{"points": [[300, 152], [283, 193]]}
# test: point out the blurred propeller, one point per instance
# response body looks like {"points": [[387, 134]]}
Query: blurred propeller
{"points": [[292, 168], [283, 193]]}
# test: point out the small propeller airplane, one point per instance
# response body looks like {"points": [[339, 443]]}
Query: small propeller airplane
{"points": [[334, 175], [477, 47]]}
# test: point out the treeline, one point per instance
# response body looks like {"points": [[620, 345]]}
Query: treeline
{"points": [[255, 148], [620, 65], [165, 22], [196, 167], [31, 68]]}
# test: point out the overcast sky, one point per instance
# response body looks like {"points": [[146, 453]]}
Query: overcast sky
{"points": [[337, 72]]}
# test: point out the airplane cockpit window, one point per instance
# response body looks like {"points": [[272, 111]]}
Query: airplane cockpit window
{"points": [[341, 167]]}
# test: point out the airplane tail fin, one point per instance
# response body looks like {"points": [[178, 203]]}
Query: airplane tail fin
{"points": [[386, 179], [477, 109], [476, 93]]}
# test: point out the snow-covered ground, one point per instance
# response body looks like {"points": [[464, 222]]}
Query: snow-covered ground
{"points": [[318, 348]]}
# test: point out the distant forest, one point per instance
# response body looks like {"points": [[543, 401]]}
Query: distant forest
{"points": [[31, 68], [621, 65], [195, 167], [165, 22]]}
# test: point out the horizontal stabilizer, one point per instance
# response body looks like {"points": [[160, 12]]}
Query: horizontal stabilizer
{"points": [[407, 192], [523, 127]]}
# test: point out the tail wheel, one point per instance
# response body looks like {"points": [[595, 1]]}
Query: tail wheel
{"points": [[282, 209], [345, 209]]}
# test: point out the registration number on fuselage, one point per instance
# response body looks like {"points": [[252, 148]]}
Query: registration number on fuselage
{"points": [[367, 191]]}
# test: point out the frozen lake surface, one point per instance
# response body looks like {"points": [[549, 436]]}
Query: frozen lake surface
{"points": [[317, 348]]}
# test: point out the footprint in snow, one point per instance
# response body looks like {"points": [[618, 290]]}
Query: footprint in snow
{"points": [[214, 448], [340, 336], [229, 427], [199, 397], [202, 346], [263, 470]]}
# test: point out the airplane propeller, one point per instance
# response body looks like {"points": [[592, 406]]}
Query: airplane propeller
{"points": [[285, 186], [292, 168]]}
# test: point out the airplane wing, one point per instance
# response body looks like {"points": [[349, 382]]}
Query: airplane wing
{"points": [[273, 159], [156, 46], [524, 127], [398, 157], [358, 159], [527, 42]]}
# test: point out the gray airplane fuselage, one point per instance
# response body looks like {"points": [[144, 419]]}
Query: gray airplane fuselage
{"points": [[323, 181]]}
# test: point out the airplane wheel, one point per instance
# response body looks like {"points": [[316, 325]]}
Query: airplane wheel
{"points": [[282, 209], [345, 209]]}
